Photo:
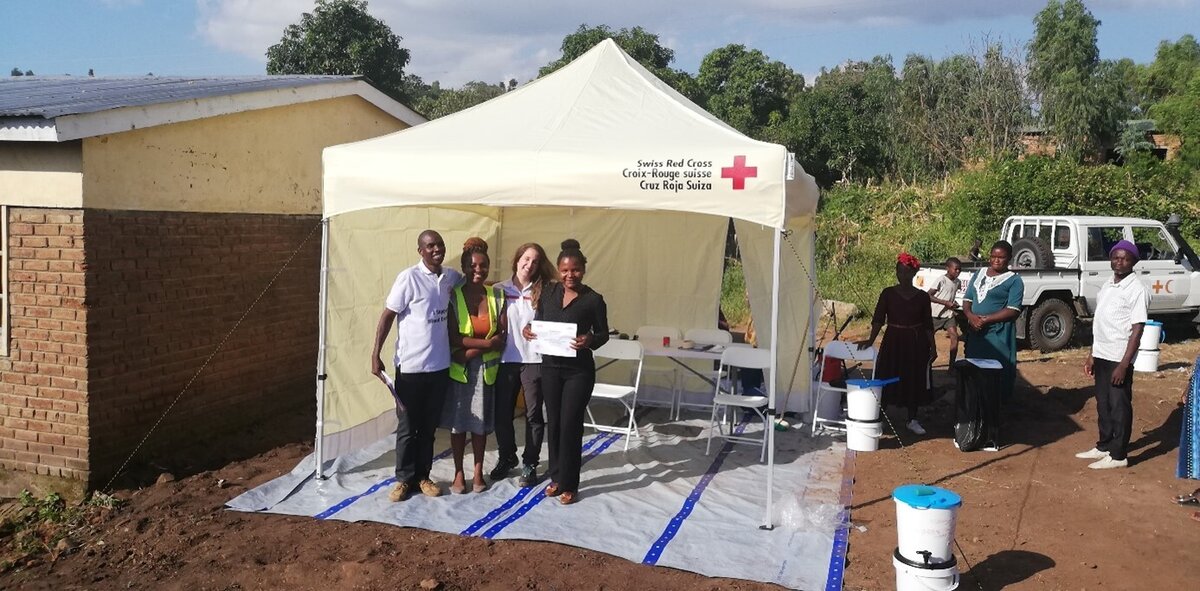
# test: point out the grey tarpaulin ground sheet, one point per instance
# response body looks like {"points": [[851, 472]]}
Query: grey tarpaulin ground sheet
{"points": [[663, 502]]}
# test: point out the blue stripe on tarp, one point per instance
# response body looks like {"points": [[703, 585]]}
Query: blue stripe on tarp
{"points": [[656, 549], [541, 494], [521, 494], [841, 539], [326, 514]]}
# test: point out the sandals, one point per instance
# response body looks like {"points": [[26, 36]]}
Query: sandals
{"points": [[1188, 499], [478, 487], [552, 490], [568, 498]]}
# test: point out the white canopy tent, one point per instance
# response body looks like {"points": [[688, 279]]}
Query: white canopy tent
{"points": [[601, 151]]}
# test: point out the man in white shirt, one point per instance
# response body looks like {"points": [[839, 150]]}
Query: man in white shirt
{"points": [[418, 303], [1119, 318]]}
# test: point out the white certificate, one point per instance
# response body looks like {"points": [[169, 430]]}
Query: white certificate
{"points": [[554, 338]]}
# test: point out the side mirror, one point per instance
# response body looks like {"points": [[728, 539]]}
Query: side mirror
{"points": [[1178, 257]]}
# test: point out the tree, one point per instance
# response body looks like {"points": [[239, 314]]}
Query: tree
{"points": [[1173, 68], [341, 37], [1180, 114], [966, 107], [849, 117], [639, 43], [446, 102], [745, 89], [1080, 101]]}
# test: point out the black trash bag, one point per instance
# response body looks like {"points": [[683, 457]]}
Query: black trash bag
{"points": [[977, 406]]}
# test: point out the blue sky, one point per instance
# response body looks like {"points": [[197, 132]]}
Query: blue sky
{"points": [[456, 41]]}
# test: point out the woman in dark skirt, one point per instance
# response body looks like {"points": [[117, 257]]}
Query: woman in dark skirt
{"points": [[907, 351]]}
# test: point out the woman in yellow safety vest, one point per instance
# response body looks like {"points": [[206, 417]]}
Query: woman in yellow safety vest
{"points": [[478, 329]]}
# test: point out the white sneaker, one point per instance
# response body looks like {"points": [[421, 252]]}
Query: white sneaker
{"points": [[1107, 462], [1092, 454], [991, 447], [956, 444], [915, 427]]}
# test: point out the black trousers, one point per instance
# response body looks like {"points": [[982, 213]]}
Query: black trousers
{"points": [[423, 395], [513, 377], [1114, 405], [567, 391]]}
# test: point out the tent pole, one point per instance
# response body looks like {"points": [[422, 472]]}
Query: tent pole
{"points": [[321, 307], [772, 384]]}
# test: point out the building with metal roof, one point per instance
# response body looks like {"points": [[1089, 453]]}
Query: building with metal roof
{"points": [[159, 262], [59, 108]]}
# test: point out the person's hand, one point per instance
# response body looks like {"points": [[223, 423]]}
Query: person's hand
{"points": [[581, 342], [527, 332], [496, 343], [472, 354], [377, 368], [1118, 375], [459, 356], [863, 344], [1087, 367], [976, 321]]}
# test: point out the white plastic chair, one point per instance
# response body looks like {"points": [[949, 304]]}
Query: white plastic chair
{"points": [[846, 352], [652, 336], [746, 358], [700, 336], [619, 350]]}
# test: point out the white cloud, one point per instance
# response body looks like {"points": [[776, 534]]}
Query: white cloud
{"points": [[456, 41]]}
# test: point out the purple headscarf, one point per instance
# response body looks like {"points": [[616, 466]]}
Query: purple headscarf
{"points": [[1126, 246]]}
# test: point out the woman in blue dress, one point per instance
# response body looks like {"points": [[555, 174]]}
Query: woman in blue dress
{"points": [[1189, 440], [992, 304]]}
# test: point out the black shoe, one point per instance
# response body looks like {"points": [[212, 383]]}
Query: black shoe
{"points": [[529, 476], [500, 472]]}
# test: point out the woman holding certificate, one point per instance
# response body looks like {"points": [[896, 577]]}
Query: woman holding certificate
{"points": [[569, 375]]}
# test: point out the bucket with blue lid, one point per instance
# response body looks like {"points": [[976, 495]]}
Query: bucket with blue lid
{"points": [[925, 518], [863, 398]]}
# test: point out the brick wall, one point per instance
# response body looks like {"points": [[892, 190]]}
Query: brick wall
{"points": [[44, 379], [163, 290]]}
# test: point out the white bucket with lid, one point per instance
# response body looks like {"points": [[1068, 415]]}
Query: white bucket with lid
{"points": [[925, 518], [863, 398], [863, 435], [910, 578], [1153, 334], [1146, 361]]}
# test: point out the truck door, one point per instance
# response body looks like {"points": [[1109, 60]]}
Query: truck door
{"points": [[1166, 280], [1094, 266]]}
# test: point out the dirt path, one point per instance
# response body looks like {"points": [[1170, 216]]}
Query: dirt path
{"points": [[1034, 517]]}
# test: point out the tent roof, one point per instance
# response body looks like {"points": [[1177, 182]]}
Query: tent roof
{"points": [[600, 132]]}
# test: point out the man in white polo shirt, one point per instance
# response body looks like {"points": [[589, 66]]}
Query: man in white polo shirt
{"points": [[417, 303], [1117, 327]]}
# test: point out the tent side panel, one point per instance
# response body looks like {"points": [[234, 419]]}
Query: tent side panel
{"points": [[795, 307], [366, 251]]}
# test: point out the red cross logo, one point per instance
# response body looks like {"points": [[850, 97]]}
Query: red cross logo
{"points": [[1159, 286], [739, 172]]}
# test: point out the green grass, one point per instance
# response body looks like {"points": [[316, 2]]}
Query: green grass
{"points": [[733, 294]]}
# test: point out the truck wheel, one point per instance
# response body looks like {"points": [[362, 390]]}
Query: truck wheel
{"points": [[1051, 325], [1032, 253]]}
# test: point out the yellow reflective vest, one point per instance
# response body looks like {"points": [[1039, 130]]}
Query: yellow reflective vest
{"points": [[491, 359]]}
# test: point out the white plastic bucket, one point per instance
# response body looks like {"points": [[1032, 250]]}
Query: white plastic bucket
{"points": [[1152, 335], [863, 435], [925, 518], [910, 578], [863, 403], [829, 407], [1146, 361]]}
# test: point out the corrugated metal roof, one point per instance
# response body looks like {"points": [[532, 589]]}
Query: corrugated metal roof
{"points": [[55, 96]]}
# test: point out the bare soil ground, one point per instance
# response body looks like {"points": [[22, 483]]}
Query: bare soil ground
{"points": [[1034, 517]]}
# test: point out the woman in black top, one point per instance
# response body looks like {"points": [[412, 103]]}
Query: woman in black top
{"points": [[567, 381]]}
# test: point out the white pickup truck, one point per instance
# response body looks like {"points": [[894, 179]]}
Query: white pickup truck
{"points": [[1063, 260]]}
